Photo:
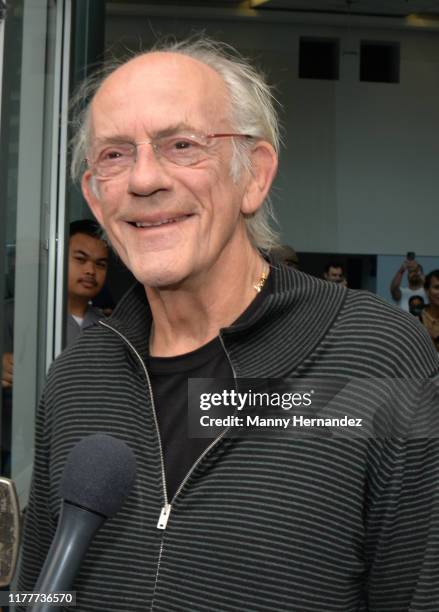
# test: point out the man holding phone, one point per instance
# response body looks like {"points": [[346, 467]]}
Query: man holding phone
{"points": [[415, 278]]}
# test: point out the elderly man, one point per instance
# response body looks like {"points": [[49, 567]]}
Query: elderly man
{"points": [[181, 152]]}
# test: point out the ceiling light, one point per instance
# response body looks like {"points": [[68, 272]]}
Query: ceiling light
{"points": [[255, 3]]}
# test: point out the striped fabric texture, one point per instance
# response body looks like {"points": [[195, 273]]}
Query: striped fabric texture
{"points": [[291, 523]]}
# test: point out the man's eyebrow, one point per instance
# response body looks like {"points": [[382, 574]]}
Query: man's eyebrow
{"points": [[168, 131], [121, 138], [175, 129], [85, 254]]}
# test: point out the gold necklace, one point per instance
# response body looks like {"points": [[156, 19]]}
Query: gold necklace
{"points": [[261, 282]]}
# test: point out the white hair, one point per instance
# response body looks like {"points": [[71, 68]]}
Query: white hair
{"points": [[252, 112]]}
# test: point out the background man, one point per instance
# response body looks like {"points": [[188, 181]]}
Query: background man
{"points": [[285, 254], [88, 263], [429, 315], [416, 305], [181, 148], [415, 278], [87, 270], [334, 272]]}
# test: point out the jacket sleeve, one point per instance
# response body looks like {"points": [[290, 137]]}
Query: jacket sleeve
{"points": [[402, 519], [39, 526]]}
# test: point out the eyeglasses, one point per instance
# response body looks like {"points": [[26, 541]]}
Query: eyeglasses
{"points": [[185, 149]]}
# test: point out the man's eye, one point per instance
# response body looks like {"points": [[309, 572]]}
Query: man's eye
{"points": [[115, 154], [112, 155], [182, 150], [80, 260], [184, 144]]}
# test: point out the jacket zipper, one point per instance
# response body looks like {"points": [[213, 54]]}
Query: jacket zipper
{"points": [[166, 510], [163, 519]]}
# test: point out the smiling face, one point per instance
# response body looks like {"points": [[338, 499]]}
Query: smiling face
{"points": [[169, 223]]}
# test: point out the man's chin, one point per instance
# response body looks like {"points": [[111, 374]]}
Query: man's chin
{"points": [[86, 297], [159, 279]]}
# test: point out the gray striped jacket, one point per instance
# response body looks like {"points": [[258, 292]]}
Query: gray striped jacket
{"points": [[300, 523]]}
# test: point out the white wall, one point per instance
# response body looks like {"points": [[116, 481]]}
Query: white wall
{"points": [[360, 168]]}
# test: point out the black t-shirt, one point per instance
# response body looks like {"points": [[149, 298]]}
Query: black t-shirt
{"points": [[169, 376]]}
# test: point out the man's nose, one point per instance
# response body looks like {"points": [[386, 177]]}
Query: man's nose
{"points": [[90, 268], [147, 176]]}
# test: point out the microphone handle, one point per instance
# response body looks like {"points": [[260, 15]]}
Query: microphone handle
{"points": [[76, 528]]}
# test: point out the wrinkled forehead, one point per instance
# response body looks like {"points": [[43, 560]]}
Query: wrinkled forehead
{"points": [[156, 90]]}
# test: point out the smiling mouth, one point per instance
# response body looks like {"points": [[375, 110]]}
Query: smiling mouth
{"points": [[143, 224]]}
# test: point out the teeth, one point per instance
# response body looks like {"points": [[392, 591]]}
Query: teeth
{"points": [[155, 224]]}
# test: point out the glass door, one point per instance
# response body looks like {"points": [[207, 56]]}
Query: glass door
{"points": [[33, 145]]}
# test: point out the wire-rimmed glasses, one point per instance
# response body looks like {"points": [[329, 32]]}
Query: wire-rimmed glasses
{"points": [[184, 149]]}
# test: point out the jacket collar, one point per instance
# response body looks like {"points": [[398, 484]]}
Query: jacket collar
{"points": [[288, 327], [301, 306]]}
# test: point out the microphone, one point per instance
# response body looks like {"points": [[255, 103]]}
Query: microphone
{"points": [[98, 475]]}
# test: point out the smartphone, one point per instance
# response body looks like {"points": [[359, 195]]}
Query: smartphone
{"points": [[410, 255]]}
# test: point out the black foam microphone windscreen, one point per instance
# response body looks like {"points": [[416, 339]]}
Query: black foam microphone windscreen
{"points": [[98, 475]]}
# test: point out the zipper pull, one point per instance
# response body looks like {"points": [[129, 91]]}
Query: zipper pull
{"points": [[164, 516]]}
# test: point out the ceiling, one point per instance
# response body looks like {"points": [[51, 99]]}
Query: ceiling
{"points": [[390, 8], [423, 14], [393, 8]]}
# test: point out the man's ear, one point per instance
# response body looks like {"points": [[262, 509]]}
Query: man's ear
{"points": [[89, 194], [262, 171]]}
